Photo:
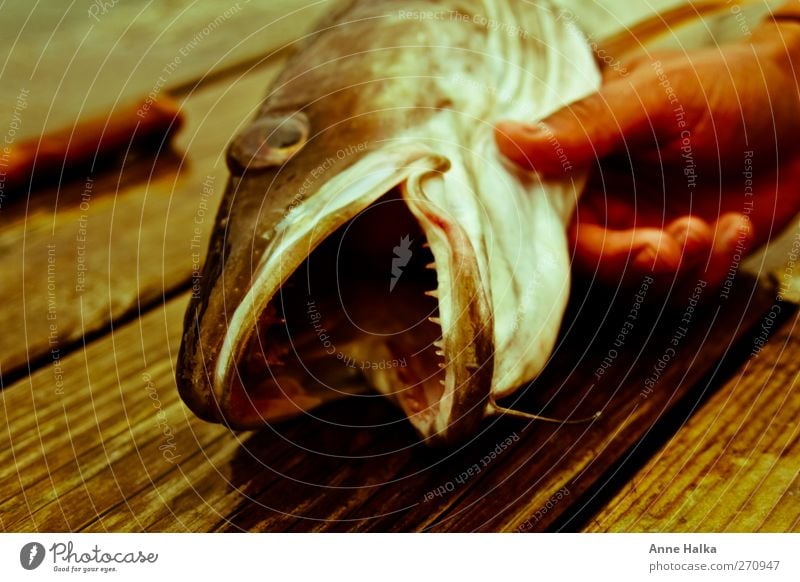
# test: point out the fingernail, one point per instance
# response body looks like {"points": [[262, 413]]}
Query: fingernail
{"points": [[645, 259], [537, 128], [737, 235]]}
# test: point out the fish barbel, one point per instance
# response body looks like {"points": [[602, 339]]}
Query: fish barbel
{"points": [[372, 235]]}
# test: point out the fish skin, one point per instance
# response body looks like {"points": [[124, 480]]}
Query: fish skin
{"points": [[421, 93]]}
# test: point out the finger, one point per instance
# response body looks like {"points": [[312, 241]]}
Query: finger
{"points": [[581, 132], [599, 207], [695, 238], [733, 238], [615, 254]]}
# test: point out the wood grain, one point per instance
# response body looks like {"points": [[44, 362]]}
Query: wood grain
{"points": [[77, 61], [96, 439], [78, 257], [91, 456], [557, 472], [67, 453], [733, 466]]}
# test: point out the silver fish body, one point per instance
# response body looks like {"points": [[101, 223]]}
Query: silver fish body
{"points": [[371, 158]]}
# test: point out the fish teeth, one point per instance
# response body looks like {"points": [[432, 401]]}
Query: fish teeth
{"points": [[439, 343], [433, 293], [440, 353], [442, 366], [431, 266], [426, 245], [435, 320]]}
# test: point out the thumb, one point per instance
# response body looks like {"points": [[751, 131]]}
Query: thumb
{"points": [[579, 133]]}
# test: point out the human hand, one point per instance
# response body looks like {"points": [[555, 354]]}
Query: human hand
{"points": [[697, 158]]}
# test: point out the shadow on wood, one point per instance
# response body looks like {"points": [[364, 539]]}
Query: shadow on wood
{"points": [[358, 466]]}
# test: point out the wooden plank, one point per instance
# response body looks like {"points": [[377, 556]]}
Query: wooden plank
{"points": [[77, 60], [734, 466], [92, 456], [84, 446], [102, 436], [82, 256], [555, 470], [72, 60], [88, 458]]}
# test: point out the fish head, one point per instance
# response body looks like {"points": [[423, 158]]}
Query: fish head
{"points": [[331, 269], [372, 237]]}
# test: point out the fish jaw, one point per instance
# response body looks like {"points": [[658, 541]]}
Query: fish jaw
{"points": [[466, 322], [216, 388]]}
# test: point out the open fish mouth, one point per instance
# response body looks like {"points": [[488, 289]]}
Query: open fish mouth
{"points": [[375, 285], [372, 237]]}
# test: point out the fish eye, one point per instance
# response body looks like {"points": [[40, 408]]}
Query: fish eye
{"points": [[285, 135], [268, 142]]}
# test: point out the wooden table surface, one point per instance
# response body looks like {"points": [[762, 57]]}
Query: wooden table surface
{"points": [[95, 437]]}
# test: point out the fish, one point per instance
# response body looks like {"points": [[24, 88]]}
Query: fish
{"points": [[372, 239]]}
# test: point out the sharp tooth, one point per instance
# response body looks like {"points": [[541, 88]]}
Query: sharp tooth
{"points": [[442, 366], [435, 320], [441, 382], [440, 353], [431, 265], [472, 366], [434, 293], [426, 245], [439, 343]]}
